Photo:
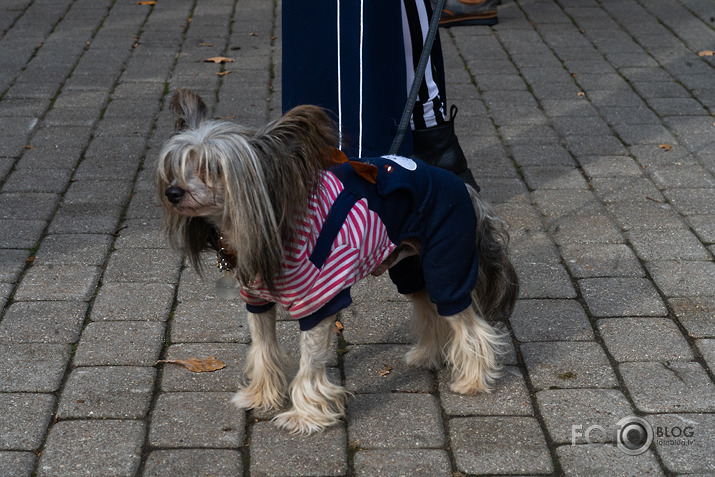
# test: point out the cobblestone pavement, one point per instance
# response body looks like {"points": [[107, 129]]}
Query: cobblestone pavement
{"points": [[588, 123]]}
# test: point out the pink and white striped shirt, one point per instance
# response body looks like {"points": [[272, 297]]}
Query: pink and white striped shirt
{"points": [[359, 248]]}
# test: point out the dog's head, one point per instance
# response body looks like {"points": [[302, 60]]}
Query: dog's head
{"points": [[247, 184]]}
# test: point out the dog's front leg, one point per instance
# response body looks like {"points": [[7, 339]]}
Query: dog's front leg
{"points": [[265, 366], [317, 403]]}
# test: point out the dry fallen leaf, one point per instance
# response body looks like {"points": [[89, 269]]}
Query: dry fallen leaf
{"points": [[706, 53], [580, 93], [206, 44], [219, 59], [147, 2], [338, 327], [222, 73], [387, 370], [197, 365], [665, 147]]}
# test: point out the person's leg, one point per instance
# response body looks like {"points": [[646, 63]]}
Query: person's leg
{"points": [[433, 135]]}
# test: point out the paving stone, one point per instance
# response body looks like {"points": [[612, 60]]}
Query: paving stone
{"points": [[140, 233], [601, 260], [178, 378], [17, 464], [18, 206], [678, 278], [20, 233], [610, 166], [567, 365], [12, 264], [558, 177], [382, 421], [669, 244], [499, 445], [685, 455], [692, 201], [539, 268], [597, 460], [644, 339], [58, 282], [52, 181], [669, 387], [25, 420], [381, 369], [85, 219], [645, 215], [625, 189], [388, 323], [562, 409], [43, 322], [93, 448], [227, 319], [621, 297], [107, 393], [128, 343], [133, 302], [32, 367], [173, 462], [143, 265], [509, 397], [89, 249], [707, 350], [202, 420], [426, 462], [704, 227], [322, 453], [696, 314], [550, 320]]}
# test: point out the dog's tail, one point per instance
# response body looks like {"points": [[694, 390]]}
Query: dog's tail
{"points": [[498, 285]]}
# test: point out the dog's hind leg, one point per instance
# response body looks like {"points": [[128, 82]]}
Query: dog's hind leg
{"points": [[432, 333], [316, 402], [265, 366], [472, 352]]}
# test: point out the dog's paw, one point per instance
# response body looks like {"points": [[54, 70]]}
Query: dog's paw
{"points": [[248, 398], [418, 357], [297, 422], [463, 386]]}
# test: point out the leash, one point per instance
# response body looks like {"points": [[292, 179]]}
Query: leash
{"points": [[419, 76]]}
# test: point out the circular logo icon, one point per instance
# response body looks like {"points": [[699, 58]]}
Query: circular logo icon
{"points": [[634, 435]]}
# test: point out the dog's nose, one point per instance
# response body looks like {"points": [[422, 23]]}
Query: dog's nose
{"points": [[174, 194]]}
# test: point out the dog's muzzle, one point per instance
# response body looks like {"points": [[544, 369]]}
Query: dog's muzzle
{"points": [[174, 194]]}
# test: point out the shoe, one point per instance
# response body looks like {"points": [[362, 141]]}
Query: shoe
{"points": [[438, 146], [469, 12]]}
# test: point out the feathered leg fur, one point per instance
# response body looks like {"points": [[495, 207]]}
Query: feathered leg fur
{"points": [[317, 403], [265, 366], [433, 333], [472, 352]]}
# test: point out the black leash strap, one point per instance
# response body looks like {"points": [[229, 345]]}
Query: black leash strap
{"points": [[419, 76]]}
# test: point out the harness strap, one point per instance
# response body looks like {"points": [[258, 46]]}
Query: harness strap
{"points": [[339, 211]]}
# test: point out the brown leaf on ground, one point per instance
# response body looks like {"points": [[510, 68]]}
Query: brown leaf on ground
{"points": [[386, 371], [665, 147], [706, 53], [147, 2], [222, 73], [219, 59], [197, 365], [338, 327]]}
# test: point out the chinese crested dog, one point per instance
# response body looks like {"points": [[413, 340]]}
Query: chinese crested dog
{"points": [[298, 224]]}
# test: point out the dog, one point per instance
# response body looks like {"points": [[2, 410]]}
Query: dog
{"points": [[297, 224]]}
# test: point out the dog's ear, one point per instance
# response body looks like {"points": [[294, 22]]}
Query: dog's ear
{"points": [[189, 109]]}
